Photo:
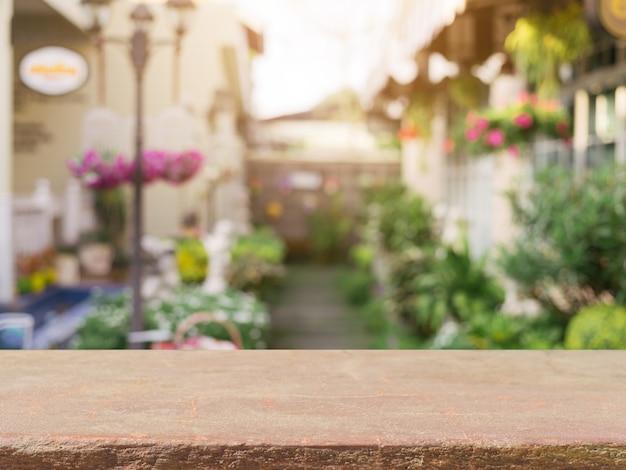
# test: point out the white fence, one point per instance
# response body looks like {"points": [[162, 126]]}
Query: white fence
{"points": [[33, 221]]}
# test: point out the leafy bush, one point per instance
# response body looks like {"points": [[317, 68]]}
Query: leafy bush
{"points": [[329, 226], [256, 263], [571, 249], [192, 260], [429, 286], [407, 221], [597, 327], [255, 275], [107, 327], [388, 192], [407, 300], [362, 255], [262, 242], [357, 286]]}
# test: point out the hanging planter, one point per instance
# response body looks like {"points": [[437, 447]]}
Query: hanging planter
{"points": [[181, 167], [512, 128], [540, 44]]}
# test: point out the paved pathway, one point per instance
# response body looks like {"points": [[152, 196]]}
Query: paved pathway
{"points": [[311, 313]]}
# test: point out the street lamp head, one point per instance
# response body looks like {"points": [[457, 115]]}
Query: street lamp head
{"points": [[142, 17], [183, 10], [96, 12]]}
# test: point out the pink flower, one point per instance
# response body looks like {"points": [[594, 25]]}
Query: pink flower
{"points": [[472, 134], [523, 120], [495, 138], [481, 124], [181, 167], [98, 170], [514, 150], [152, 165]]}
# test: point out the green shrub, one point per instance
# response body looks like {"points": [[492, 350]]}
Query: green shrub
{"points": [[429, 285], [255, 275], [329, 226], [571, 250], [262, 242], [357, 286], [407, 221], [597, 327], [256, 263], [495, 330], [385, 193], [362, 255]]}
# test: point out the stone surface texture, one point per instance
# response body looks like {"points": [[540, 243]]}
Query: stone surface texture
{"points": [[312, 409]]}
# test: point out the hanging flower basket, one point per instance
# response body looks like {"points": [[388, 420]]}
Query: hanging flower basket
{"points": [[181, 167], [511, 128], [152, 165], [99, 170], [105, 170]]}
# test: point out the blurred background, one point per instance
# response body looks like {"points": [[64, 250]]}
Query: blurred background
{"points": [[326, 174]]}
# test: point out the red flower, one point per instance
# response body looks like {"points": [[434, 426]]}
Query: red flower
{"points": [[407, 133]]}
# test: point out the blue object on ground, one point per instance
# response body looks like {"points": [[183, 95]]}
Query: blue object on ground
{"points": [[59, 311]]}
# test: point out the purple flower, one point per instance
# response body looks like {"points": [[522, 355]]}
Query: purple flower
{"points": [[152, 166], [181, 167]]}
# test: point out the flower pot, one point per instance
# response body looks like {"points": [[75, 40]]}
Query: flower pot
{"points": [[68, 269], [96, 258]]}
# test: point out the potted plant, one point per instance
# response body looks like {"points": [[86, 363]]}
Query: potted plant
{"points": [[541, 43], [491, 130]]}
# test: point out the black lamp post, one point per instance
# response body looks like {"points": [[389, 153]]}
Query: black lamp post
{"points": [[139, 46]]}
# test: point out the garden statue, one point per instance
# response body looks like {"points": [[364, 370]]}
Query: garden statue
{"points": [[217, 246]]}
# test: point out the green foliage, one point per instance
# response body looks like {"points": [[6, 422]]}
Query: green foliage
{"points": [[513, 127], [109, 324], [329, 227], [571, 249], [192, 260], [598, 326], [261, 242], [406, 221], [467, 91], [256, 263], [429, 286], [107, 327], [256, 275], [362, 255], [410, 280], [110, 210], [540, 43], [357, 286], [388, 192], [494, 330]]}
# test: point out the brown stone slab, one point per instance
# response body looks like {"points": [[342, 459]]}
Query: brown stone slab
{"points": [[313, 409]]}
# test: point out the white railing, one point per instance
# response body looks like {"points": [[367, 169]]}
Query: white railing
{"points": [[33, 221]]}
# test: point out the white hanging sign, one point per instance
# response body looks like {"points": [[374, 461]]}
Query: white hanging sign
{"points": [[53, 70]]}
